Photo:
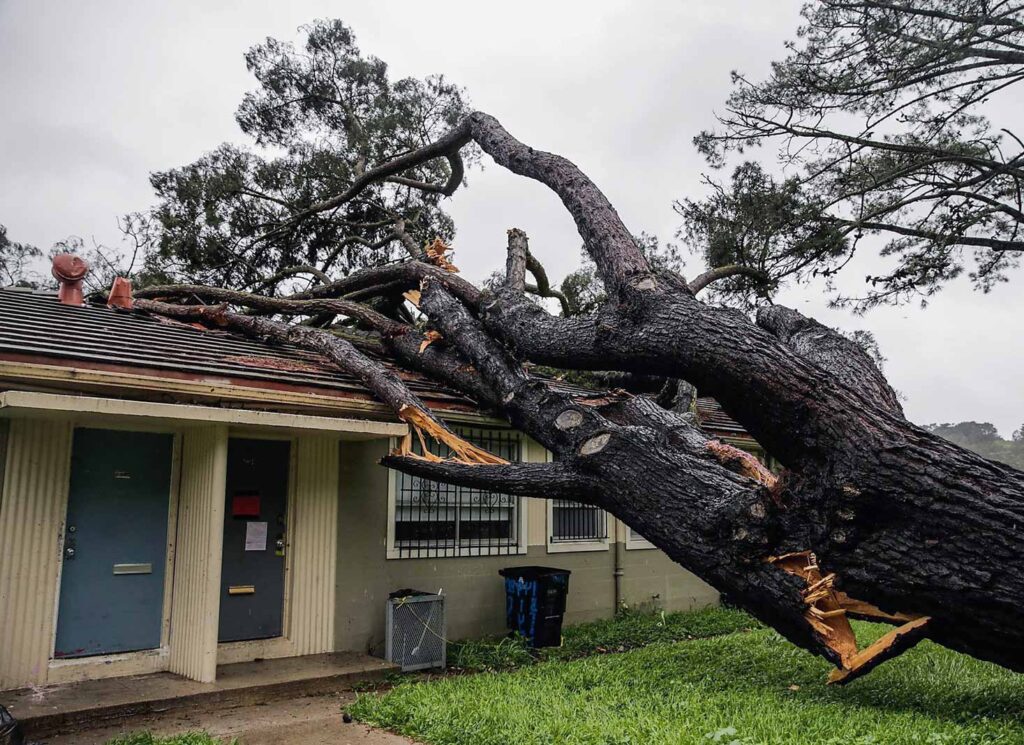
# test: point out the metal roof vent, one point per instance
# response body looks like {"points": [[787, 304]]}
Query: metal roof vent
{"points": [[69, 270]]}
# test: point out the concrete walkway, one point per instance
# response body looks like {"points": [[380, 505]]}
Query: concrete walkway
{"points": [[263, 686], [312, 720]]}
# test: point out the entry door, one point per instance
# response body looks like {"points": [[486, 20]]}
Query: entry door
{"points": [[252, 574], [115, 544]]}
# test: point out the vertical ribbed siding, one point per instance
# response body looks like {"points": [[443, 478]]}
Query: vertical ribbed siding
{"points": [[32, 508], [195, 601], [314, 544]]}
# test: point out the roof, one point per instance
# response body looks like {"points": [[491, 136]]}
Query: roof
{"points": [[35, 329], [714, 419]]}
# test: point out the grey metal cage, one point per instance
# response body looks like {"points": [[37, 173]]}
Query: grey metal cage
{"points": [[416, 631]]}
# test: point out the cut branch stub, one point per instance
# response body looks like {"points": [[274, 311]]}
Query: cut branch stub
{"points": [[569, 419], [595, 444], [515, 264]]}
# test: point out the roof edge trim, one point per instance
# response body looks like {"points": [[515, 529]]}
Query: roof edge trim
{"points": [[31, 402]]}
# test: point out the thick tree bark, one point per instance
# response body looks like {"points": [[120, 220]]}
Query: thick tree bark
{"points": [[872, 516]]}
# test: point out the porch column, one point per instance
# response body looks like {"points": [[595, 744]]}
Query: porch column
{"points": [[195, 601], [314, 544], [33, 503]]}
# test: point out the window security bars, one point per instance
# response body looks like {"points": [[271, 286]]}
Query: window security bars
{"points": [[437, 520], [572, 521]]}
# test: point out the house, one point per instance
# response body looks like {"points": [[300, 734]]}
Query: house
{"points": [[173, 498]]}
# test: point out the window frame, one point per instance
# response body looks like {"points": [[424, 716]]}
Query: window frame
{"points": [[635, 541], [578, 545], [573, 545], [395, 551]]}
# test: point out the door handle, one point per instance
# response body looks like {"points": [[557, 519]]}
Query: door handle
{"points": [[69, 553]]}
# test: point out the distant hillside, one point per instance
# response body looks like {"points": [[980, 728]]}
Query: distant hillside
{"points": [[984, 439]]}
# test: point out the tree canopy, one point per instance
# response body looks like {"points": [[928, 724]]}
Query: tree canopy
{"points": [[771, 229], [257, 217], [15, 260], [984, 439], [878, 114]]}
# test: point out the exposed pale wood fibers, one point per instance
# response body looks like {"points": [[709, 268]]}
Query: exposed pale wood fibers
{"points": [[741, 462], [827, 613], [435, 254], [419, 423]]}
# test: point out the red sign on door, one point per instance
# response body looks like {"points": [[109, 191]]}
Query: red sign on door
{"points": [[245, 504]]}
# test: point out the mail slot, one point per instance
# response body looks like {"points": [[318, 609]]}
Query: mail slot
{"points": [[133, 568], [242, 590]]}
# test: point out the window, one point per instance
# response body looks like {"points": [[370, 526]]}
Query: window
{"points": [[576, 527], [431, 519], [635, 540]]}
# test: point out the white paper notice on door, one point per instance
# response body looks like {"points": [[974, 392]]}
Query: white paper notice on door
{"points": [[255, 536]]}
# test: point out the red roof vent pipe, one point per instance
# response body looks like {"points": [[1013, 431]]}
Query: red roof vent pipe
{"points": [[120, 294], [69, 270]]}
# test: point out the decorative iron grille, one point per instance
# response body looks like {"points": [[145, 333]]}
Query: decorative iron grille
{"points": [[572, 521], [437, 520]]}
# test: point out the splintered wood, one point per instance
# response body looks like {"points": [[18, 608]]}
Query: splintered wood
{"points": [[435, 254], [462, 451], [741, 462], [429, 338], [828, 612]]}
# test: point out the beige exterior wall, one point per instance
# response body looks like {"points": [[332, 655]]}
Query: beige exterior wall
{"points": [[32, 508], [476, 596]]}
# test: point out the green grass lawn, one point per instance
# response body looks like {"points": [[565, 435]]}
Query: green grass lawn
{"points": [[737, 688], [628, 630]]}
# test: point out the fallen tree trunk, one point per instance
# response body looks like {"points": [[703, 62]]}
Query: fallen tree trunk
{"points": [[872, 517]]}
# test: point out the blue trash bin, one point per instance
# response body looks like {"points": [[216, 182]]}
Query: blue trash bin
{"points": [[535, 602]]}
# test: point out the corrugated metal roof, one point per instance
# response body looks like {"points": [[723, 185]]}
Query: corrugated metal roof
{"points": [[33, 323], [714, 419]]}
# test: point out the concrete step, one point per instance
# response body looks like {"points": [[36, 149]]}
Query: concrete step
{"points": [[75, 707]]}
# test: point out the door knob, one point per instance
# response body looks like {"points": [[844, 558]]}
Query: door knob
{"points": [[69, 552]]}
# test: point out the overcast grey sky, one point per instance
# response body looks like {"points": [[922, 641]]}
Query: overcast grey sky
{"points": [[95, 95]]}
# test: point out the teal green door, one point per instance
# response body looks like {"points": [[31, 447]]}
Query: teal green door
{"points": [[115, 543]]}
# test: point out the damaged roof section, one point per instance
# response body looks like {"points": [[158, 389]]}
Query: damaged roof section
{"points": [[36, 329]]}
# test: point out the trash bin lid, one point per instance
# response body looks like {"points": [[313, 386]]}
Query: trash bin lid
{"points": [[532, 572]]}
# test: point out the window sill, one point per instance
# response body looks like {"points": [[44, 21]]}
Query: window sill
{"points": [[571, 547]]}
